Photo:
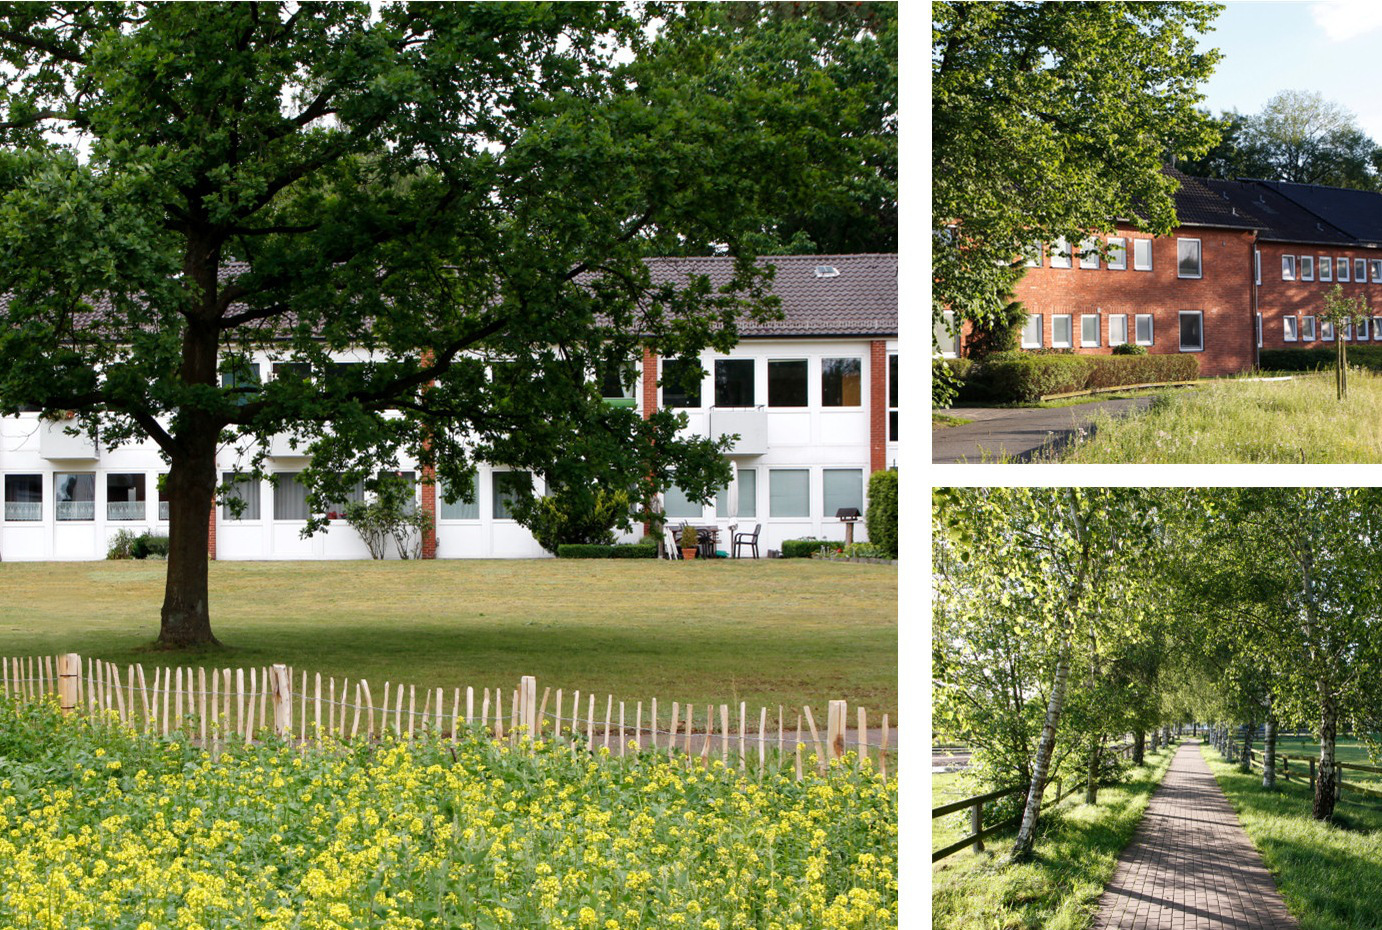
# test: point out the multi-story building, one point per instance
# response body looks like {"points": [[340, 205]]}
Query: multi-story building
{"points": [[812, 398], [1247, 269]]}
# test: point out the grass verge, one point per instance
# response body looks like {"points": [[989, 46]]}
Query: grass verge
{"points": [[767, 632], [1077, 851], [1237, 421], [1329, 874], [940, 420]]}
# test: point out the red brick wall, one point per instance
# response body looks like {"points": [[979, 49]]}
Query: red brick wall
{"points": [[1278, 298], [649, 382], [1223, 294], [211, 533], [429, 506], [878, 405]]}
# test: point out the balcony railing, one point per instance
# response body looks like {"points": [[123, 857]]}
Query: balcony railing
{"points": [[23, 510], [76, 510], [124, 510]]}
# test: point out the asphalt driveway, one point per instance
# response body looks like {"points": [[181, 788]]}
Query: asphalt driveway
{"points": [[1018, 433]]}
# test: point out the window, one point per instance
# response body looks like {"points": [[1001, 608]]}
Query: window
{"points": [[1326, 268], [1142, 255], [1257, 328], [1256, 266], [1307, 328], [1034, 255], [461, 510], [748, 496], [789, 492], [247, 490], [676, 504], [1290, 328], [300, 371], [734, 382], [681, 387], [124, 497], [1089, 329], [619, 382], [1089, 253], [1363, 330], [1144, 329], [1031, 332], [1060, 331], [354, 494], [75, 493], [1191, 331], [507, 487], [1342, 265], [944, 333], [243, 381], [23, 497], [892, 398], [1307, 267], [787, 383], [290, 497], [1326, 331], [1117, 254], [1288, 267], [1377, 328], [842, 382], [1376, 271], [162, 484], [842, 487], [1360, 271], [1117, 329], [1060, 254], [1188, 258]]}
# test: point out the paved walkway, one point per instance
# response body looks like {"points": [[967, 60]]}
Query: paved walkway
{"points": [[1190, 865], [1017, 432]]}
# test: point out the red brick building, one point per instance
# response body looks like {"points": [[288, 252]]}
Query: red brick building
{"points": [[1247, 269]]}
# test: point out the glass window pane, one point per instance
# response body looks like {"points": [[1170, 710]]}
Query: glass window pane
{"points": [[1144, 329], [1326, 268], [460, 510], [290, 497], [24, 497], [247, 490], [1142, 254], [841, 379], [1118, 253], [734, 382], [843, 487], [1188, 257], [1089, 253], [1360, 269], [1289, 328], [789, 492], [1089, 329], [1307, 328], [75, 494], [1060, 331], [748, 497], [787, 383], [1191, 335], [676, 504], [618, 379], [892, 398], [125, 497], [1343, 269], [241, 378], [298, 371], [507, 487], [1060, 254], [1117, 329], [675, 391], [1031, 332], [162, 485]]}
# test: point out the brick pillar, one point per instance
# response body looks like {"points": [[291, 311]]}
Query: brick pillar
{"points": [[878, 405], [211, 534], [649, 396], [429, 506]]}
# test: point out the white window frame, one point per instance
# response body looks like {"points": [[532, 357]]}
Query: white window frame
{"points": [[1288, 267], [1117, 253], [1060, 254], [1362, 334], [1360, 270], [1307, 267], [1256, 266], [1326, 331], [1139, 261], [1199, 258], [1097, 327], [1256, 325], [1034, 255], [1089, 254], [1377, 329], [1376, 270], [1040, 332], [1123, 317], [1290, 329], [1326, 268], [950, 349], [1341, 265], [1070, 328], [1137, 329], [1308, 332], [1181, 330]]}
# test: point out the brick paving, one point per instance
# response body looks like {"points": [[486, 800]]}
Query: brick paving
{"points": [[1190, 865]]}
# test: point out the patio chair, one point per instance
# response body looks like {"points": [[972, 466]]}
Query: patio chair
{"points": [[673, 543], [749, 540]]}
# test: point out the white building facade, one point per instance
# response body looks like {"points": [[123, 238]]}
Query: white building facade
{"points": [[812, 397]]}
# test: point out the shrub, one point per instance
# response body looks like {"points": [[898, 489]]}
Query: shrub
{"points": [[1129, 348], [689, 538], [146, 545], [805, 548], [1034, 376], [881, 515], [1361, 356], [392, 515], [593, 551], [570, 514], [122, 545]]}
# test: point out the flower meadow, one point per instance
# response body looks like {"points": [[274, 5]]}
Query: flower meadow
{"points": [[103, 827]]}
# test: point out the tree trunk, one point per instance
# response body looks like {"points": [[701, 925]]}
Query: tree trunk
{"points": [[1325, 781], [186, 616], [1091, 784], [1026, 834], [1139, 746], [1245, 763], [1155, 733], [1269, 754]]}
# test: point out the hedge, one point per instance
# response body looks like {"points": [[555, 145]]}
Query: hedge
{"points": [[592, 551], [881, 515], [149, 545], [1310, 359], [803, 548], [1031, 377]]}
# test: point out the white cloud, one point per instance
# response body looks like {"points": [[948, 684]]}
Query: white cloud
{"points": [[1343, 20]]}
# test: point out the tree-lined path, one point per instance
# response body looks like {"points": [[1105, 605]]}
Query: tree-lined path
{"points": [[1191, 866]]}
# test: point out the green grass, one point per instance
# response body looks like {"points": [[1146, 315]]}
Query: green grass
{"points": [[1237, 421], [942, 420], [768, 632], [1107, 395], [1345, 750], [1077, 852], [1330, 875]]}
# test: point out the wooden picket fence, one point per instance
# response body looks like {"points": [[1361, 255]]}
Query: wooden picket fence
{"points": [[221, 706]]}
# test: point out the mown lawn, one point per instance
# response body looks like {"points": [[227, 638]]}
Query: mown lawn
{"points": [[1329, 874], [1243, 421], [1345, 750], [1076, 853], [769, 632]]}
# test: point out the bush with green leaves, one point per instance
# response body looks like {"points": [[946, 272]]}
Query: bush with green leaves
{"points": [[595, 551], [1033, 376], [579, 515], [1359, 356], [881, 515], [122, 545], [149, 546], [805, 548], [391, 516], [1129, 348]]}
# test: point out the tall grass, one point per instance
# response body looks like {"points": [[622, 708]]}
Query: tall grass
{"points": [[1242, 421], [1329, 874]]}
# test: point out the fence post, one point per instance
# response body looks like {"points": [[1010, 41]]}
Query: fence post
{"points": [[69, 671], [527, 704], [976, 824], [283, 702], [835, 729]]}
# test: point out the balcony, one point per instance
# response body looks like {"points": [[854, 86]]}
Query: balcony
{"points": [[54, 442], [750, 424]]}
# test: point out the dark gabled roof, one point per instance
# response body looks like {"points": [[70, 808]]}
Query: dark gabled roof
{"points": [[1197, 204], [1279, 218], [861, 300], [1358, 214]]}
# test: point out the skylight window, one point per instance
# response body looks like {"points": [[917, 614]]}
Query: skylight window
{"points": [[827, 271]]}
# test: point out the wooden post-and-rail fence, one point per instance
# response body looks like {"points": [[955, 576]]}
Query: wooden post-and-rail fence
{"points": [[216, 707], [1257, 760]]}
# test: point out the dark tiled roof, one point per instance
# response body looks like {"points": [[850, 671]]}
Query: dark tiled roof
{"points": [[1357, 213], [1197, 204], [1279, 219], [861, 300]]}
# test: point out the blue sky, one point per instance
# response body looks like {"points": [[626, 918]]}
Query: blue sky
{"points": [[1330, 46]]}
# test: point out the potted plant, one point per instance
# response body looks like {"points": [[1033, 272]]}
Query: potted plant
{"points": [[689, 542]]}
